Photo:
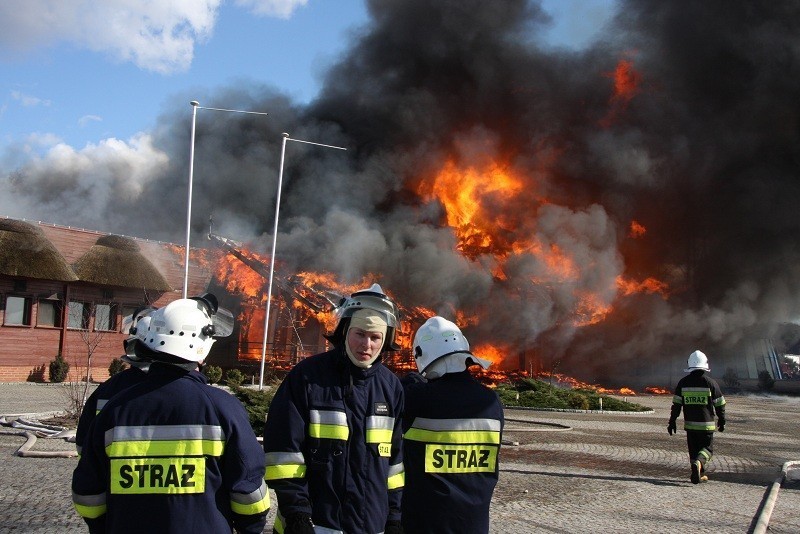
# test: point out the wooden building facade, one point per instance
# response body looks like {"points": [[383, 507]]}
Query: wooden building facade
{"points": [[66, 291]]}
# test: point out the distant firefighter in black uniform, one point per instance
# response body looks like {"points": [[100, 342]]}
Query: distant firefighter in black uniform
{"points": [[452, 426], [699, 396]]}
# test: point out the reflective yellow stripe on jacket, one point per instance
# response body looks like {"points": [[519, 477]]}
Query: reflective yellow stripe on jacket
{"points": [[252, 503], [89, 506], [166, 440], [328, 424], [284, 465], [454, 431]]}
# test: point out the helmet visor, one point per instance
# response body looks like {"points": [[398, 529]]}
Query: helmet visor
{"points": [[372, 301], [223, 323]]}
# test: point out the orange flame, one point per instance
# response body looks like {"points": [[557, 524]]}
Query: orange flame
{"points": [[626, 86], [637, 230], [462, 191], [648, 285]]}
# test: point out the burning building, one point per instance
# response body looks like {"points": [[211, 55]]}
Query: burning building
{"points": [[600, 212]]}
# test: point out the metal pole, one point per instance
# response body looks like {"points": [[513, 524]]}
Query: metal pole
{"points": [[274, 242], [194, 104], [272, 264]]}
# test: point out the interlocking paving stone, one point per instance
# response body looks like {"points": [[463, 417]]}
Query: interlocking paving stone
{"points": [[609, 473]]}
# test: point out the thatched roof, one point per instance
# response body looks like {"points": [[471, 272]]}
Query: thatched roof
{"points": [[118, 261], [25, 251]]}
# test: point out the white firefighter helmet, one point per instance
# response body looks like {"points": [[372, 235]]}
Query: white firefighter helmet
{"points": [[187, 328], [441, 348], [371, 299], [697, 361]]}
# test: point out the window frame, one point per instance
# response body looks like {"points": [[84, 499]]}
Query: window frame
{"points": [[113, 317], [86, 315], [57, 311], [27, 310]]}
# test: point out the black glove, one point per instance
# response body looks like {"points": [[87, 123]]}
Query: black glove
{"points": [[299, 523], [721, 425], [393, 527], [671, 428]]}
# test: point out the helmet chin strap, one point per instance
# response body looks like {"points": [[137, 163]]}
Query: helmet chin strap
{"points": [[358, 363]]}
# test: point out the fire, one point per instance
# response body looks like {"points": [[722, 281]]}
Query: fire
{"points": [[489, 352], [626, 86], [239, 278], [626, 81], [462, 192], [590, 310], [637, 230], [653, 390], [648, 285]]}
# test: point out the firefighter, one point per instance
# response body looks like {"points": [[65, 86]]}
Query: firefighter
{"points": [[700, 397], [140, 320], [452, 426], [332, 437], [173, 454]]}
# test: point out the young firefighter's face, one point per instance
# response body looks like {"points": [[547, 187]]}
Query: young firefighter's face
{"points": [[364, 345]]}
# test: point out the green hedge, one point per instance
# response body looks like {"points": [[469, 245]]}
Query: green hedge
{"points": [[530, 393]]}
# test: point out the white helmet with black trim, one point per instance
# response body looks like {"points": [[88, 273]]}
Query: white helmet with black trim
{"points": [[187, 328], [441, 348], [371, 299], [697, 361]]}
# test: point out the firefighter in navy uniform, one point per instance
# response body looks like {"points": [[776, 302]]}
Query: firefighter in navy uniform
{"points": [[173, 454], [137, 372], [452, 429], [700, 397], [332, 437]]}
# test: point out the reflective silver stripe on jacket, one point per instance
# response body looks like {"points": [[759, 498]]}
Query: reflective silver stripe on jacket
{"points": [[89, 500], [328, 417], [424, 423], [164, 433], [381, 422], [282, 458], [252, 497]]}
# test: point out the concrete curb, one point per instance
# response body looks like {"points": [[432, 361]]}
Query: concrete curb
{"points": [[572, 410]]}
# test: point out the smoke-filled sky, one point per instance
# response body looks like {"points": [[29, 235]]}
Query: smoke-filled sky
{"points": [[655, 175]]}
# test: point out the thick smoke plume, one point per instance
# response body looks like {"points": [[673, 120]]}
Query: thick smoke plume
{"points": [[694, 140]]}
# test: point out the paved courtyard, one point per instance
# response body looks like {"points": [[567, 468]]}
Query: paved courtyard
{"points": [[564, 473]]}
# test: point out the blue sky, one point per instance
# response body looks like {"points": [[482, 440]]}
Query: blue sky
{"points": [[79, 77]]}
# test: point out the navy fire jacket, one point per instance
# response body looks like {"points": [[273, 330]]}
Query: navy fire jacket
{"points": [[452, 430], [101, 395], [333, 444], [700, 397], [171, 454]]}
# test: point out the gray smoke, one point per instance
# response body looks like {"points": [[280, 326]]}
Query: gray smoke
{"points": [[704, 154]]}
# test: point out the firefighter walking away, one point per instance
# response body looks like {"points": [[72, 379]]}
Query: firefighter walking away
{"points": [[700, 398]]}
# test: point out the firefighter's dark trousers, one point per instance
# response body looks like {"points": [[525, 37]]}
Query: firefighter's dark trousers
{"points": [[701, 445]]}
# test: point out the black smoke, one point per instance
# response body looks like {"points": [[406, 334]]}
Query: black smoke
{"points": [[704, 154]]}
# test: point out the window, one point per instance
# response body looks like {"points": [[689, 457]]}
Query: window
{"points": [[18, 310], [48, 313], [105, 317], [78, 315]]}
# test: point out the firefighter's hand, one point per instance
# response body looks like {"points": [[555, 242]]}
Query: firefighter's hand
{"points": [[299, 523], [393, 527], [721, 426], [671, 428]]}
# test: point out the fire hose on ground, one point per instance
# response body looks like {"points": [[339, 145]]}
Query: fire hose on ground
{"points": [[33, 430]]}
